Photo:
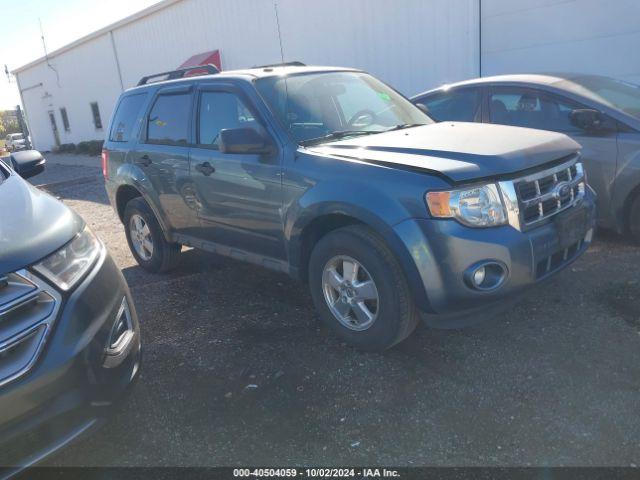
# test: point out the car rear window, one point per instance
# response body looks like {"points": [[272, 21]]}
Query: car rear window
{"points": [[126, 117]]}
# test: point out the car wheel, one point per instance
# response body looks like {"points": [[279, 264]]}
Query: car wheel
{"points": [[359, 289], [146, 239], [634, 220]]}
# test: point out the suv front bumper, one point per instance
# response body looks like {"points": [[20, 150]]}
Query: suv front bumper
{"points": [[444, 251], [75, 384]]}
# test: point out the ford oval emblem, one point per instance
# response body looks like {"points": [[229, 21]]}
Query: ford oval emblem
{"points": [[562, 190]]}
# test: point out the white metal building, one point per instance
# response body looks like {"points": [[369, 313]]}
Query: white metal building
{"points": [[412, 44]]}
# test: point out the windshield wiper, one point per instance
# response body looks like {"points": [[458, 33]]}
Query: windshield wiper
{"points": [[402, 126], [338, 134]]}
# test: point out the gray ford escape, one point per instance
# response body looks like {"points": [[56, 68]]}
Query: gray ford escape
{"points": [[331, 176], [69, 339]]}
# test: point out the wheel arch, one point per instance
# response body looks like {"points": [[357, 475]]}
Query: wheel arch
{"points": [[311, 229], [127, 192]]}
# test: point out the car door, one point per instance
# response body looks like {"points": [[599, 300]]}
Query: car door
{"points": [[532, 108], [163, 156], [239, 195], [459, 105]]}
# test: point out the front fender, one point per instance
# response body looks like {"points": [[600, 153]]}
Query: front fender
{"points": [[626, 186], [363, 205]]}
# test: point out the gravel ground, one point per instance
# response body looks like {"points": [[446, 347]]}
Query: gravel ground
{"points": [[237, 371]]}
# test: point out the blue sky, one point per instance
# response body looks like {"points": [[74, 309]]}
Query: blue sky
{"points": [[63, 21]]}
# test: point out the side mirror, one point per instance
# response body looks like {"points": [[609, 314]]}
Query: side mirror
{"points": [[244, 141], [27, 163], [587, 119]]}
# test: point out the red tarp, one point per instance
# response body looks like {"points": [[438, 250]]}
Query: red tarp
{"points": [[205, 58]]}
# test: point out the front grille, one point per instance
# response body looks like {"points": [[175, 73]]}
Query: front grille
{"points": [[28, 308], [544, 194]]}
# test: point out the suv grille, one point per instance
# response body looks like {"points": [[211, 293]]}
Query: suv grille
{"points": [[27, 310], [544, 194]]}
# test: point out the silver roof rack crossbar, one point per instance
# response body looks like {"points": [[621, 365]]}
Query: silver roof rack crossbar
{"points": [[180, 73]]}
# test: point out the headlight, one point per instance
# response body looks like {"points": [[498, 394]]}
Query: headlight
{"points": [[68, 265], [475, 207]]}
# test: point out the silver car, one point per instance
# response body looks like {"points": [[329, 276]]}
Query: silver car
{"points": [[600, 113], [14, 141]]}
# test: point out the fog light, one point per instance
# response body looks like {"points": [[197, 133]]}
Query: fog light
{"points": [[478, 276], [487, 275], [121, 337]]}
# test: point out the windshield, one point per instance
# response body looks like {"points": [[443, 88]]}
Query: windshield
{"points": [[316, 107], [17, 136], [618, 94]]}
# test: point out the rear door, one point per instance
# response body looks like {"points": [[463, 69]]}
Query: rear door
{"points": [[531, 108], [163, 156], [239, 195]]}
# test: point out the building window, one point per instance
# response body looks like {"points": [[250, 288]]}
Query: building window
{"points": [[65, 119], [97, 121]]}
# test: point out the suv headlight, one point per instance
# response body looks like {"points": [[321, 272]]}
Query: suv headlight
{"points": [[479, 206], [68, 265]]}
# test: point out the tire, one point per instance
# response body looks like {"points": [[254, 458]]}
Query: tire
{"points": [[163, 256], [634, 220], [396, 315]]}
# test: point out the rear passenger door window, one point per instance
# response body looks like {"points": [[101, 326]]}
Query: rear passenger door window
{"points": [[458, 106], [168, 120]]}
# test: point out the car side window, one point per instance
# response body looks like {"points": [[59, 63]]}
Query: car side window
{"points": [[456, 106], [168, 120], [126, 117], [218, 111], [527, 108]]}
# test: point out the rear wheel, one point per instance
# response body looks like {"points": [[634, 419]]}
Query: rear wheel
{"points": [[146, 239], [634, 220], [359, 289]]}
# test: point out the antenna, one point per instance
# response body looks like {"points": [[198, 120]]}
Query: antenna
{"points": [[275, 6], [46, 55]]}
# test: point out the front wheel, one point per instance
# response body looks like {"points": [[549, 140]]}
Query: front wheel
{"points": [[146, 240], [359, 289]]}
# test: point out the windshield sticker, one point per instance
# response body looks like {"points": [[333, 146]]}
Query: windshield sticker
{"points": [[384, 96]]}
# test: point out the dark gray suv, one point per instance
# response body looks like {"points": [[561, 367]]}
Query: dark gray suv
{"points": [[69, 335], [333, 177]]}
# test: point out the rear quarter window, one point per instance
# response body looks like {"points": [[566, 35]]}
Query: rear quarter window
{"points": [[127, 117]]}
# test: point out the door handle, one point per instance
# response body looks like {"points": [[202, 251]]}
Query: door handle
{"points": [[205, 168], [144, 161]]}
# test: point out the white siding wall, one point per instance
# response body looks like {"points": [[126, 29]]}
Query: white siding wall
{"points": [[412, 44], [586, 36]]}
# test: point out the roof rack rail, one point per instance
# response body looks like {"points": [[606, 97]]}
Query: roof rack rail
{"points": [[180, 73], [283, 64]]}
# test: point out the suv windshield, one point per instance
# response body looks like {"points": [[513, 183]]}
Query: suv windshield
{"points": [[17, 136], [618, 94], [317, 107]]}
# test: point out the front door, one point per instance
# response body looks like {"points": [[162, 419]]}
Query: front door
{"points": [[531, 108], [54, 128], [163, 156], [240, 195]]}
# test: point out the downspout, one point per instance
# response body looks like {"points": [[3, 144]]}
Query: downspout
{"points": [[480, 38], [115, 56]]}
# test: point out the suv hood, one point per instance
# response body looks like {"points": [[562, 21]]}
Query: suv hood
{"points": [[460, 151], [33, 224]]}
